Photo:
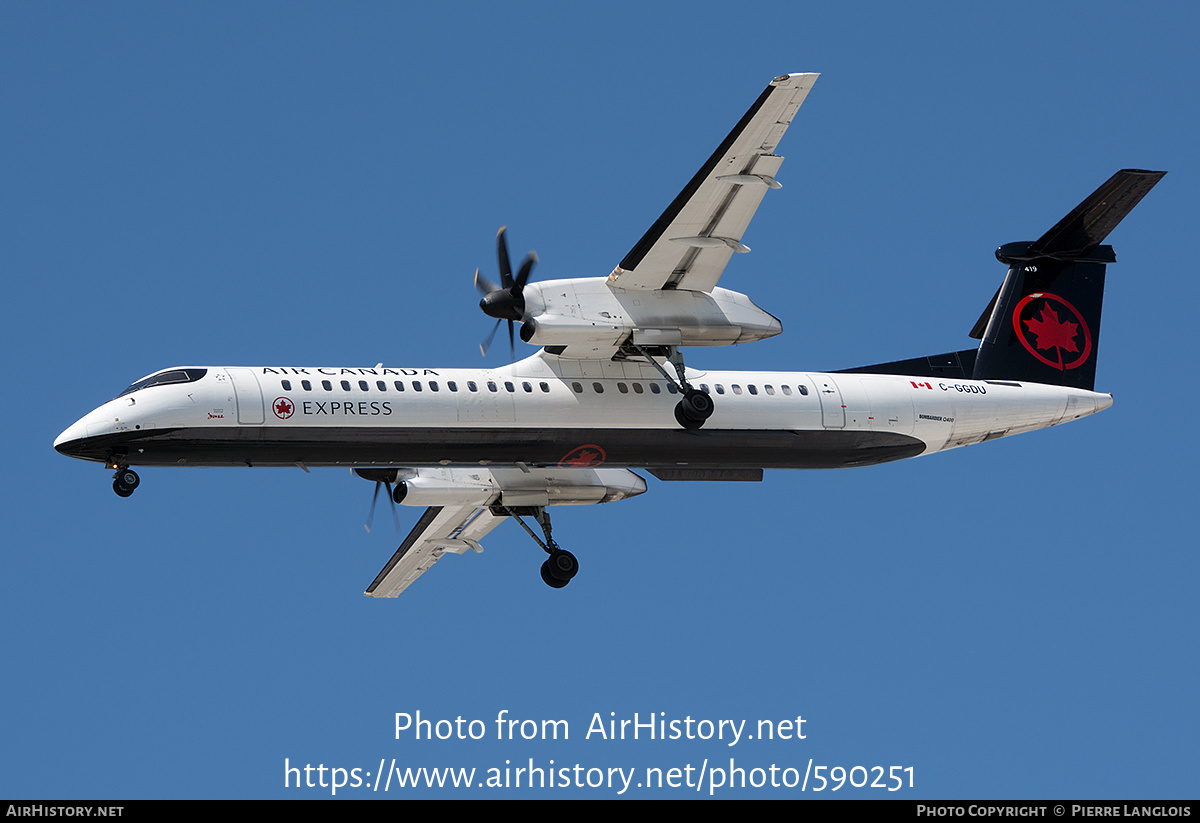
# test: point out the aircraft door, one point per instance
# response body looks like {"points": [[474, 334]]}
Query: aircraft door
{"points": [[833, 412], [249, 396]]}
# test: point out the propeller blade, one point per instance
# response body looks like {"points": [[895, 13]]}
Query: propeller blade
{"points": [[375, 499], [371, 514], [506, 301], [506, 278], [392, 503], [484, 285], [487, 344], [523, 274]]}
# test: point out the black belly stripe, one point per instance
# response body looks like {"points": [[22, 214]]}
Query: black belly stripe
{"points": [[615, 448]]}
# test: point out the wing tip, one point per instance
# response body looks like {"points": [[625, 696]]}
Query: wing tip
{"points": [[795, 78]]}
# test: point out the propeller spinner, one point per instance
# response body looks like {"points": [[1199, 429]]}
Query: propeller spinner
{"points": [[506, 301]]}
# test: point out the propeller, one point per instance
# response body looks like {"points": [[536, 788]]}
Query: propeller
{"points": [[507, 300], [382, 477]]}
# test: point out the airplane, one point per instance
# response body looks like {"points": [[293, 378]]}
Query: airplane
{"points": [[608, 391]]}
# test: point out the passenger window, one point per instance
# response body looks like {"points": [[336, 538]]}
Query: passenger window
{"points": [[753, 388], [416, 385], [399, 386], [770, 389], [598, 387], [326, 385], [471, 386], [622, 388], [737, 389], [578, 387], [362, 384], [492, 386], [287, 385], [637, 388], [803, 390], [704, 388], [433, 385], [345, 385], [527, 387], [671, 388], [655, 389], [451, 385], [787, 390], [307, 385], [509, 386], [720, 389], [545, 387]]}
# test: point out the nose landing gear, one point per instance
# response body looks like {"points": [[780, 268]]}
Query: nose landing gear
{"points": [[125, 481]]}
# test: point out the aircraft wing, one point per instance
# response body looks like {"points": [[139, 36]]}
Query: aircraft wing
{"points": [[689, 245], [441, 529], [470, 498]]}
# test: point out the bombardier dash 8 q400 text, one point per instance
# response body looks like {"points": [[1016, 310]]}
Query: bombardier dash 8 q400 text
{"points": [[608, 391]]}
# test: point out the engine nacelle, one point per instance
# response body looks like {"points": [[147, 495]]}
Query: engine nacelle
{"points": [[509, 487], [436, 491], [589, 310]]}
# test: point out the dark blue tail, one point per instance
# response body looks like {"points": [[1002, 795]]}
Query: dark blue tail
{"points": [[1043, 325]]}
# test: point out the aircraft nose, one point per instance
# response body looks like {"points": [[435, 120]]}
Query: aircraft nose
{"points": [[71, 435]]}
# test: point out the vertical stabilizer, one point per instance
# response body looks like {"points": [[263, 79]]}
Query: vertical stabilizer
{"points": [[1043, 326]]}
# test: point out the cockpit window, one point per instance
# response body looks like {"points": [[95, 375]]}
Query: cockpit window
{"points": [[163, 378]]}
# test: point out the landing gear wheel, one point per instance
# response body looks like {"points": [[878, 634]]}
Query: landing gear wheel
{"points": [[683, 421], [697, 404], [693, 409], [125, 481], [549, 579], [561, 565]]}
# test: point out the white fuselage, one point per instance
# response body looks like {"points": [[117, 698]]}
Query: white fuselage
{"points": [[551, 411]]}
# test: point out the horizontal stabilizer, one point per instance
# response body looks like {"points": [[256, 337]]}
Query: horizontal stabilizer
{"points": [[1077, 237], [1085, 228]]}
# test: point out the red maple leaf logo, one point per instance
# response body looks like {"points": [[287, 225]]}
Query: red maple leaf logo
{"points": [[283, 409], [583, 458], [1048, 332], [1053, 332]]}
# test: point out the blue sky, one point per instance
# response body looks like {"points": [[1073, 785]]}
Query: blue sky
{"points": [[305, 184]]}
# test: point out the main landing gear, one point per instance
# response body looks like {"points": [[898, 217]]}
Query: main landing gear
{"points": [[561, 566], [693, 409], [696, 406], [125, 481]]}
